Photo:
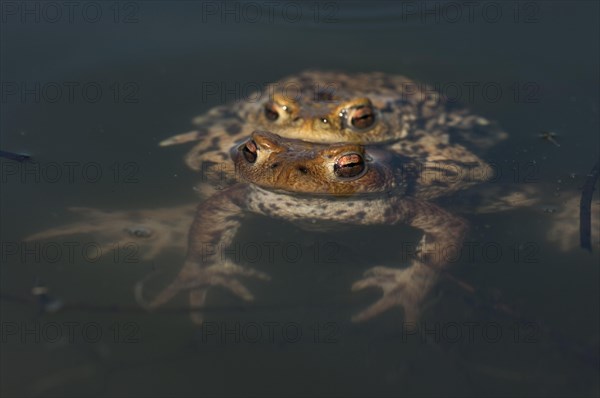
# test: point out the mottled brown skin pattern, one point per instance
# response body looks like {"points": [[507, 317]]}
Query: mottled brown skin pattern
{"points": [[399, 114], [305, 186]]}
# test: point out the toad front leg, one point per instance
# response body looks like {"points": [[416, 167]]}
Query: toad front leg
{"points": [[215, 132], [407, 287], [215, 225], [149, 232]]}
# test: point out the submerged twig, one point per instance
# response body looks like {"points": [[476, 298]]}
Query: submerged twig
{"points": [[550, 137], [585, 208], [19, 157]]}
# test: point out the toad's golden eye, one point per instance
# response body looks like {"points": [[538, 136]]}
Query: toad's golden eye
{"points": [[250, 151], [349, 165], [361, 117], [271, 111]]}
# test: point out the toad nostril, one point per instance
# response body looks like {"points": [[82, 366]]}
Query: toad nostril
{"points": [[302, 169]]}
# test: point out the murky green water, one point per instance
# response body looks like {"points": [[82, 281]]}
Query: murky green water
{"points": [[95, 87]]}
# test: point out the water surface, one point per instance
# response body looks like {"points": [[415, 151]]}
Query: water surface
{"points": [[153, 62]]}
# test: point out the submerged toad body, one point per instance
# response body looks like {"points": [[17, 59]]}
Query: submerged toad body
{"points": [[339, 183], [395, 117]]}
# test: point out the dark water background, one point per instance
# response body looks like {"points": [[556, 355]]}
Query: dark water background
{"points": [[152, 60]]}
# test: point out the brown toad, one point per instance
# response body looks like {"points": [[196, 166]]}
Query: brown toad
{"points": [[366, 108], [307, 183]]}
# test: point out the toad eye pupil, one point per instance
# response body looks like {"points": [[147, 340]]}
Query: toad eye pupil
{"points": [[349, 166], [270, 113], [249, 151]]}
